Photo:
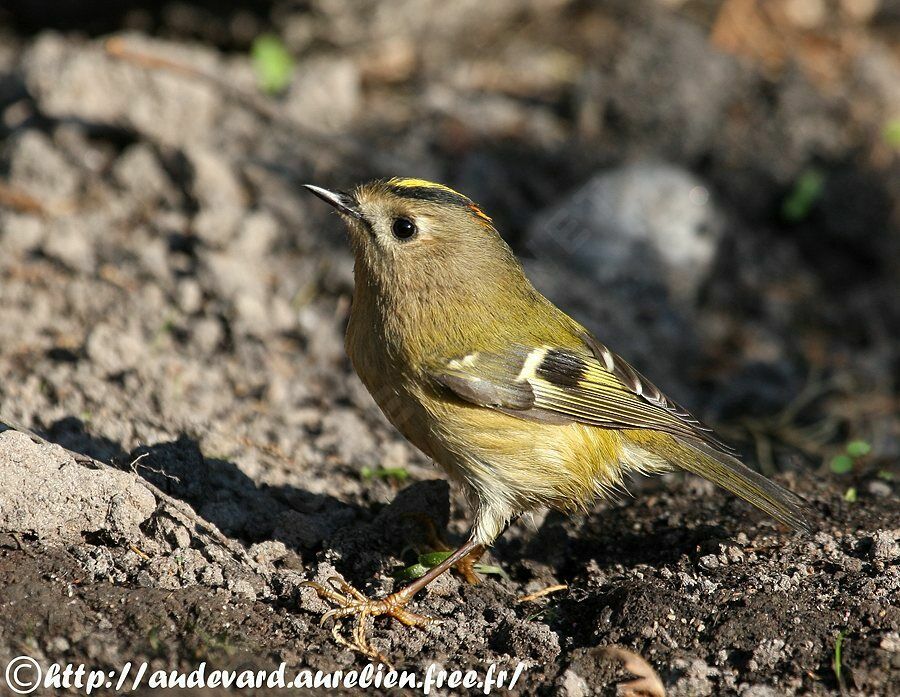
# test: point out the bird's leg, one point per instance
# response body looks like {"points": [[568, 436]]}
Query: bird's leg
{"points": [[351, 603], [466, 565]]}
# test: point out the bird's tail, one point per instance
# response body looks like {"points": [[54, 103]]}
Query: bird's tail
{"points": [[728, 472]]}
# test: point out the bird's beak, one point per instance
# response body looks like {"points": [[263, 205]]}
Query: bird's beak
{"points": [[343, 202]]}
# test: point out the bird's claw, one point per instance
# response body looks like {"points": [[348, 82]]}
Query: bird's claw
{"points": [[352, 603]]}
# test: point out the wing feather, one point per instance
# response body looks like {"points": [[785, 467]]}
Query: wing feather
{"points": [[588, 384]]}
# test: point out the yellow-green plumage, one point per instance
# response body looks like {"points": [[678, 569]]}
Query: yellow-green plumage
{"points": [[501, 388]]}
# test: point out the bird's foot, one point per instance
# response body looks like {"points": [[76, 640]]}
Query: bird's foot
{"points": [[351, 603]]}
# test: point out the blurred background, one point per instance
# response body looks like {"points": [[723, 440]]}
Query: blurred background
{"points": [[712, 186]]}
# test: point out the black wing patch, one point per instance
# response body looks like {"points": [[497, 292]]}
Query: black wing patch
{"points": [[562, 368], [593, 386]]}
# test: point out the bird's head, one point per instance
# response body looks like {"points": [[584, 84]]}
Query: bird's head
{"points": [[412, 235]]}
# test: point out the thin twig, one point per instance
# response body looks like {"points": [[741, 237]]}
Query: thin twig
{"points": [[20, 201], [541, 593]]}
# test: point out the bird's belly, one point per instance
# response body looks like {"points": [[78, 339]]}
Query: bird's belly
{"points": [[528, 465]]}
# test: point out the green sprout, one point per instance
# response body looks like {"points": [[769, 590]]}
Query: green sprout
{"points": [[272, 63], [836, 663], [850, 495], [841, 464], [891, 133], [396, 473], [546, 615], [154, 641], [807, 190], [853, 452], [429, 560], [858, 448]]}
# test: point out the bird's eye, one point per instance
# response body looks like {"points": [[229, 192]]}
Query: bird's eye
{"points": [[403, 228]]}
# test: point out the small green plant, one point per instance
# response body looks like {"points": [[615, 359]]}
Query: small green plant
{"points": [[807, 190], [272, 64], [836, 663], [850, 495], [165, 330], [429, 560], [209, 644], [398, 474], [546, 615], [892, 133], [154, 642], [853, 452]]}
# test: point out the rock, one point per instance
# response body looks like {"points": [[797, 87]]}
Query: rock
{"points": [[69, 80], [45, 492], [219, 194], [268, 552], [189, 295], [115, 349], [886, 545], [207, 334], [694, 681], [138, 171], [879, 488], [526, 640], [649, 223], [242, 585], [36, 167], [20, 233], [211, 575], [181, 537], [323, 336], [806, 14], [573, 685], [258, 232], [70, 240], [758, 691], [768, 653], [246, 285], [325, 94], [232, 277]]}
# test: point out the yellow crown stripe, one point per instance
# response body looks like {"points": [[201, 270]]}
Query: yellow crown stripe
{"points": [[411, 183]]}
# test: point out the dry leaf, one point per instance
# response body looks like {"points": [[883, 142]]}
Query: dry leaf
{"points": [[646, 682]]}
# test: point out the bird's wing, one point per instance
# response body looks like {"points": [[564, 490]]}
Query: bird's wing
{"points": [[588, 384]]}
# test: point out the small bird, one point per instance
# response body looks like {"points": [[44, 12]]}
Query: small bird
{"points": [[512, 397]]}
